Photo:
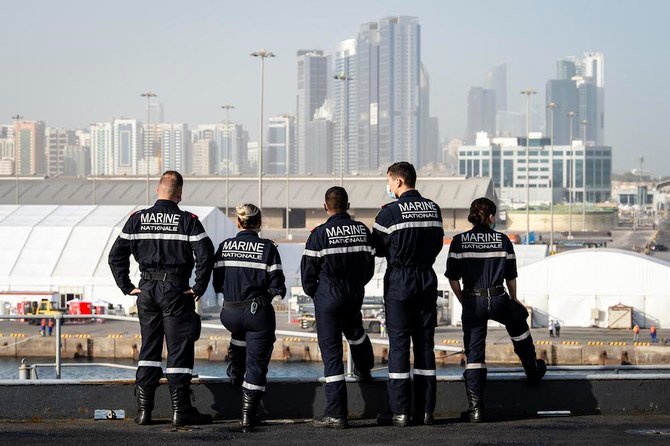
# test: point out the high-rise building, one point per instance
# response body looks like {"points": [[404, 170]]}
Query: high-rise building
{"points": [[496, 80], [281, 143], [252, 156], [173, 147], [7, 148], [230, 146], [203, 155], [313, 79], [102, 148], [57, 140], [481, 112], [157, 112], [345, 119], [565, 69], [126, 141], [389, 71], [563, 93], [320, 139], [510, 124], [76, 161], [29, 147]]}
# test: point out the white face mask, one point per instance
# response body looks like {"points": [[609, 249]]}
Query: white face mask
{"points": [[389, 193]]}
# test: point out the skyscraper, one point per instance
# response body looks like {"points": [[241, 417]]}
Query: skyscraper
{"points": [[102, 149], [57, 140], [313, 74], [320, 139], [173, 146], [481, 112], [496, 80], [563, 93], [281, 143], [345, 119], [29, 147], [202, 157], [367, 61], [126, 142]]}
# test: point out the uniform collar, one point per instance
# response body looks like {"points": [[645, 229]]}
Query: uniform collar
{"points": [[340, 216], [482, 228], [410, 193], [250, 232], [166, 203]]}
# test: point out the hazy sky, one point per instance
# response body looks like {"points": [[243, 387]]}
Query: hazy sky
{"points": [[70, 62]]}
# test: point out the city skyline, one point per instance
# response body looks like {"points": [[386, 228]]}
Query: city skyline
{"points": [[192, 86]]}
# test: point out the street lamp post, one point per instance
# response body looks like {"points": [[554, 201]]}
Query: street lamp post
{"points": [[528, 94], [148, 95], [551, 106], [343, 78], [584, 124], [227, 108], [571, 179], [16, 119], [263, 54]]}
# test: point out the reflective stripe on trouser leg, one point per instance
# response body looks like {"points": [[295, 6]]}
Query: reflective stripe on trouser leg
{"points": [[329, 332], [181, 351], [359, 344], [474, 338], [149, 366], [523, 345], [399, 385]]}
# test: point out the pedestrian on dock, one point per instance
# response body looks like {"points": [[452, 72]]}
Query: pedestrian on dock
{"points": [[551, 328], [248, 271], [652, 334], [636, 332], [337, 263], [483, 259], [557, 328], [168, 243]]}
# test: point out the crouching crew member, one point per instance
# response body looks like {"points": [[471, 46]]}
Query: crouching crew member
{"points": [[248, 272], [483, 259], [164, 241], [408, 232], [337, 263]]}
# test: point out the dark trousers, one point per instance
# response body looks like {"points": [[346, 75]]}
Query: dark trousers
{"points": [[476, 313], [338, 312], [410, 297], [253, 335], [166, 313]]}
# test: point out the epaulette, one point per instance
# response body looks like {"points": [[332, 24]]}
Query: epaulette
{"points": [[276, 246]]}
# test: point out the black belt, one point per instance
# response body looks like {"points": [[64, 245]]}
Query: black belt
{"points": [[163, 276], [243, 303], [485, 292]]}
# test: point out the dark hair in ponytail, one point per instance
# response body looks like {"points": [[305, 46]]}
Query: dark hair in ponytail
{"points": [[480, 211]]}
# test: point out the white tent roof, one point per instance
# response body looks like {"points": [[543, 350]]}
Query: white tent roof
{"points": [[569, 286], [47, 247]]}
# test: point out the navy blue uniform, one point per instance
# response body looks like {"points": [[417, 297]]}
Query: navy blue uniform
{"points": [[409, 233], [164, 241], [248, 271], [484, 259], [337, 263]]}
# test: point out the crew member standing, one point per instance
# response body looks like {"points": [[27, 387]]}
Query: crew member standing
{"points": [[249, 273], [408, 232], [164, 241], [337, 263], [483, 259]]}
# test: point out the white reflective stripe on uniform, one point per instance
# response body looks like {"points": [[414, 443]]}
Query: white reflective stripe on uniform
{"points": [[195, 238], [239, 264], [334, 378], [381, 228], [478, 255], [358, 341], [424, 372], [475, 365], [399, 375], [511, 256], [521, 337], [149, 364], [154, 236], [179, 370], [238, 343], [276, 267], [219, 264], [249, 386], [413, 224], [339, 250]]}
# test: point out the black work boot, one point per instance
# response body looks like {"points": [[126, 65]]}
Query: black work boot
{"points": [[183, 413], [237, 366], [363, 375], [535, 375], [145, 404], [331, 422], [250, 401], [395, 419], [475, 412]]}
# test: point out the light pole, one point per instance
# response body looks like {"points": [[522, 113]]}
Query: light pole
{"points": [[528, 94], [263, 54], [571, 179], [148, 95], [343, 78], [228, 108], [584, 124], [16, 119], [551, 106]]}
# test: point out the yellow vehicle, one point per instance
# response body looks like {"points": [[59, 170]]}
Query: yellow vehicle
{"points": [[46, 307]]}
